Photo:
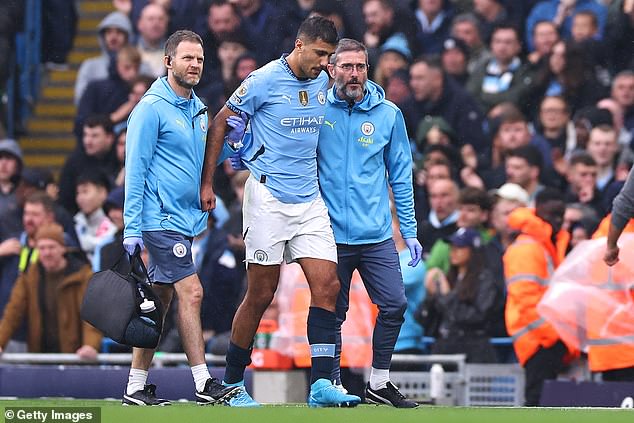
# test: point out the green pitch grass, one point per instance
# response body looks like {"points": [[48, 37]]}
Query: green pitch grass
{"points": [[112, 411]]}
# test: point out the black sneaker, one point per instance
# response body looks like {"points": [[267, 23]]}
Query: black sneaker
{"points": [[145, 396], [389, 395], [215, 392]]}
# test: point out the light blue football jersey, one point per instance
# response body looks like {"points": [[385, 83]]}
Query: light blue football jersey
{"points": [[285, 115]]}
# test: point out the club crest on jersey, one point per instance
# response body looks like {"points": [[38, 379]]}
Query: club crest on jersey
{"points": [[303, 97], [367, 128], [242, 90], [321, 98]]}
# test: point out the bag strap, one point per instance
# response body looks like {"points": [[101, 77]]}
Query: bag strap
{"points": [[138, 271]]}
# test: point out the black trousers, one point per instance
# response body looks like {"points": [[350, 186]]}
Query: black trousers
{"points": [[545, 364]]}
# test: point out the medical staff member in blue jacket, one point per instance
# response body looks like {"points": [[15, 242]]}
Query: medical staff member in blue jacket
{"points": [[363, 150], [165, 148]]}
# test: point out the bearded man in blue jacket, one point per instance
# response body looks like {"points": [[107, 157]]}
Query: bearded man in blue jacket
{"points": [[165, 149], [363, 149]]}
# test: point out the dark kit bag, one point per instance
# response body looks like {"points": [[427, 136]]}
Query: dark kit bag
{"points": [[123, 306]]}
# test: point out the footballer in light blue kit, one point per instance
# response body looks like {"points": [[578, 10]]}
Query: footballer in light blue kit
{"points": [[285, 129], [284, 215]]}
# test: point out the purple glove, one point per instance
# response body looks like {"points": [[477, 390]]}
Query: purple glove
{"points": [[415, 250], [239, 124], [236, 161], [130, 243]]}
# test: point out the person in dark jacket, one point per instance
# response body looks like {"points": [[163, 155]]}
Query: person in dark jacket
{"points": [[465, 299]]}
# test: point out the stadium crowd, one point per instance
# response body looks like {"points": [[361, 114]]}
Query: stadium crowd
{"points": [[512, 108]]}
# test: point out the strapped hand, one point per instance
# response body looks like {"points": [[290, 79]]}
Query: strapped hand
{"points": [[238, 125]]}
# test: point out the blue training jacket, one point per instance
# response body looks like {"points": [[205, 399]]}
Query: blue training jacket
{"points": [[361, 149], [165, 150]]}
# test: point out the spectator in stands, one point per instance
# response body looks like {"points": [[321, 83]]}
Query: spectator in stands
{"points": [[397, 87], [474, 206], [603, 148], [334, 11], [98, 153], [59, 25], [582, 182], [17, 251], [114, 96], [10, 170], [48, 296], [383, 21], [464, 298], [619, 33], [435, 94], [152, 27], [223, 19], [441, 222], [454, 58], [622, 92], [528, 265], [32, 180], [432, 170], [11, 18], [568, 74], [120, 133], [110, 250], [433, 19], [91, 223], [466, 28], [555, 126], [523, 166], [545, 36], [114, 32], [505, 199], [490, 14], [511, 132], [585, 26], [230, 47], [560, 12], [263, 21], [503, 77], [394, 56]]}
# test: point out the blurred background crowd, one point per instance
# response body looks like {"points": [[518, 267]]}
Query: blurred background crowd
{"points": [[502, 99]]}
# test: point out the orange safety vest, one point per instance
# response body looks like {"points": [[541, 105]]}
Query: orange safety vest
{"points": [[528, 265], [609, 326]]}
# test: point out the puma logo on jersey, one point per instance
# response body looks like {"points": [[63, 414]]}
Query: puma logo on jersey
{"points": [[287, 98], [331, 124]]}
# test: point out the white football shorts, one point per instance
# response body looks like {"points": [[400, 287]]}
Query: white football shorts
{"points": [[274, 231]]}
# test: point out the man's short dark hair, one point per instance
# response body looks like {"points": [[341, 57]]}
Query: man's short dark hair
{"points": [[507, 25], [530, 153], [318, 28], [93, 121], [475, 196], [41, 197], [547, 194], [178, 37], [582, 157], [94, 176]]}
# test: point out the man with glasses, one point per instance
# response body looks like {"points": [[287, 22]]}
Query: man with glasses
{"points": [[363, 149]]}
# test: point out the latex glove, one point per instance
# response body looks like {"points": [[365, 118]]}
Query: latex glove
{"points": [[239, 124], [236, 161], [131, 242], [415, 250]]}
